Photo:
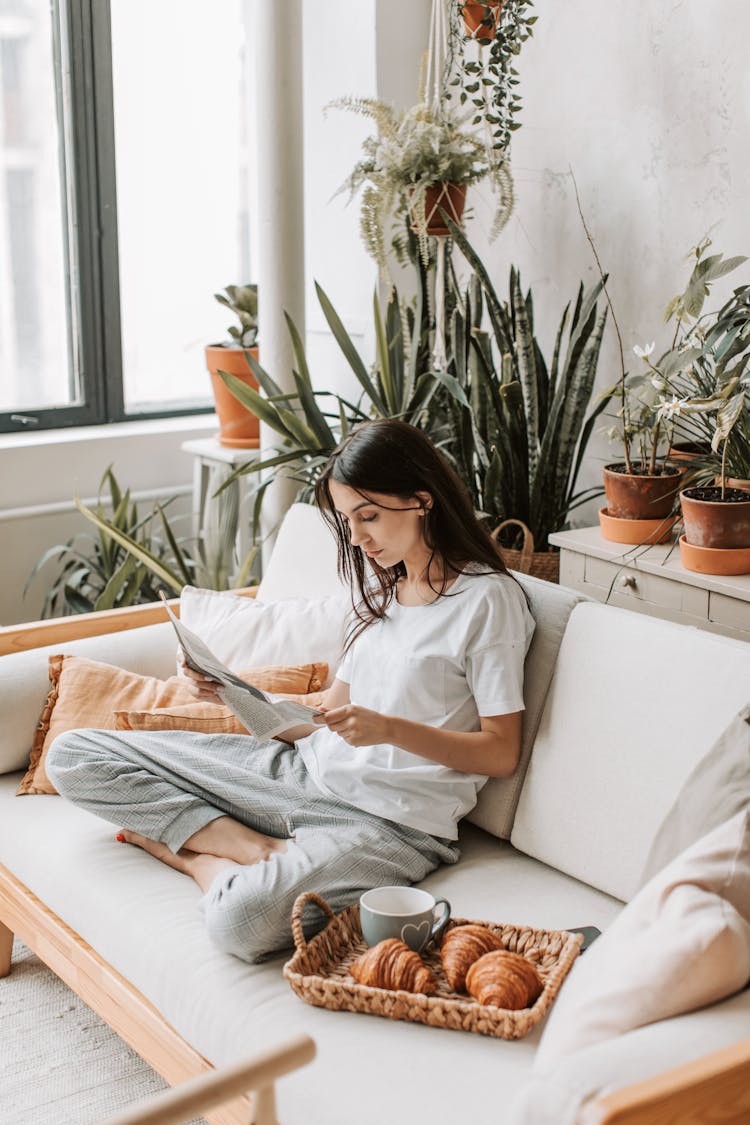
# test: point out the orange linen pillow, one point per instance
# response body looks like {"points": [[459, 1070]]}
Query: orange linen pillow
{"points": [[203, 718], [86, 693]]}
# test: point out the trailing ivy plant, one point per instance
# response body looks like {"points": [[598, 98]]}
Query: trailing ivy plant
{"points": [[480, 69]]}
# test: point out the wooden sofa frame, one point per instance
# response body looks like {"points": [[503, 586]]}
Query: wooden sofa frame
{"points": [[713, 1089]]}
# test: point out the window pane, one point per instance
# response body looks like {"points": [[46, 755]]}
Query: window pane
{"points": [[180, 128], [35, 366]]}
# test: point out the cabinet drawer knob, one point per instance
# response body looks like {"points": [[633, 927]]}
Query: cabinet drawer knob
{"points": [[630, 581]]}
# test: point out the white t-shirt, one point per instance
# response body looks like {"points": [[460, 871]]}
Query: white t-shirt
{"points": [[444, 664]]}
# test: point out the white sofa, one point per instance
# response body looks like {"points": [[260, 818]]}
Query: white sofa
{"points": [[616, 718]]}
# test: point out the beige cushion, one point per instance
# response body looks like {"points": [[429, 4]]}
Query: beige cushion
{"points": [[90, 693], [24, 679], [303, 562], [681, 944], [634, 704], [551, 607], [206, 718], [563, 1093], [245, 633], [716, 790]]}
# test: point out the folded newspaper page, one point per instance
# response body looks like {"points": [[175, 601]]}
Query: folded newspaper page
{"points": [[261, 715]]}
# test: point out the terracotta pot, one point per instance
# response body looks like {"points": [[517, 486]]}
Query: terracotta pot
{"points": [[636, 532], [238, 428], [481, 20], [713, 522], [683, 451], [451, 197], [640, 496], [712, 560]]}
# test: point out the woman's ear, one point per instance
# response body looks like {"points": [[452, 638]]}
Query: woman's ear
{"points": [[424, 499]]}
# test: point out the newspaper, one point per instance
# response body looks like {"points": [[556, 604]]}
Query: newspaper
{"points": [[258, 712]]}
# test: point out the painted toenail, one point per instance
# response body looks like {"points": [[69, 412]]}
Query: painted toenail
{"points": [[120, 838]]}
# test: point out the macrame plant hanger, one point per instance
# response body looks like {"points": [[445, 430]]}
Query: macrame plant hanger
{"points": [[436, 56]]}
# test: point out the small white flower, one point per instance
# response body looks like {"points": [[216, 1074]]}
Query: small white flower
{"points": [[672, 409], [644, 353]]}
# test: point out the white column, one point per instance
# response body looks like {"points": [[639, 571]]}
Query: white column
{"points": [[281, 235]]}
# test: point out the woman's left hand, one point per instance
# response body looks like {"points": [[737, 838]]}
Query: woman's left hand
{"points": [[357, 725]]}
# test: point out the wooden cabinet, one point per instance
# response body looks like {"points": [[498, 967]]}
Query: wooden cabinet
{"points": [[653, 580]]}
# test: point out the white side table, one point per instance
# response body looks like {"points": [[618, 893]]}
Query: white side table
{"points": [[212, 464], [653, 580]]}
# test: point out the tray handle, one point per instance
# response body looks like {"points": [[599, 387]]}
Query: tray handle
{"points": [[299, 905]]}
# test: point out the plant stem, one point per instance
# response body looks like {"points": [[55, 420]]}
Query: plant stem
{"points": [[724, 468], [623, 394], [652, 464]]}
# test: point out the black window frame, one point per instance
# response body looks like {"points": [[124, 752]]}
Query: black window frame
{"points": [[82, 51]]}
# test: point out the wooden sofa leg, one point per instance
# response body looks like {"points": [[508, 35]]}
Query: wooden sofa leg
{"points": [[6, 949]]}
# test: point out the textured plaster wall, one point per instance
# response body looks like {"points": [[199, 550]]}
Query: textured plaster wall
{"points": [[649, 103]]}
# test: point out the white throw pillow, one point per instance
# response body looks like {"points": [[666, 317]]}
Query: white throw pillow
{"points": [[717, 788], [243, 633], [681, 943]]}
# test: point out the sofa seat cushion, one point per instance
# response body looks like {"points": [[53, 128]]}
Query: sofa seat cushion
{"points": [[634, 704], [143, 918]]}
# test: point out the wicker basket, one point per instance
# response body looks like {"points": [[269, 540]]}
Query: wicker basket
{"points": [[541, 564], [319, 973]]}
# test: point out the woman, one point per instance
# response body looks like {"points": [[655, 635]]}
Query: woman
{"points": [[425, 706]]}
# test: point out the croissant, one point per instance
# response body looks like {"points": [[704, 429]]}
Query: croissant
{"points": [[461, 947], [391, 964], [504, 979]]}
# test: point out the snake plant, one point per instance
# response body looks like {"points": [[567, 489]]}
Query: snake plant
{"points": [[522, 438]]}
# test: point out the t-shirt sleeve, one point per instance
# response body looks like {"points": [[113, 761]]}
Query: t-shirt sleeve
{"points": [[344, 670], [496, 650]]}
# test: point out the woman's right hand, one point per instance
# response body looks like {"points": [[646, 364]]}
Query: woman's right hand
{"points": [[202, 687]]}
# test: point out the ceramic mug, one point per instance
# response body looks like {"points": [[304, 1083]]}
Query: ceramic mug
{"points": [[407, 913]]}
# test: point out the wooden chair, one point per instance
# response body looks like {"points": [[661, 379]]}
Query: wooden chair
{"points": [[256, 1073]]}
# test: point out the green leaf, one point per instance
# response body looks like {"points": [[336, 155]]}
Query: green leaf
{"points": [[350, 352], [142, 553], [257, 405]]}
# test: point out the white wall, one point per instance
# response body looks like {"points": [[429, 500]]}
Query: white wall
{"points": [[649, 103]]}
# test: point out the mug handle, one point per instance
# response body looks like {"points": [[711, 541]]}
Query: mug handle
{"points": [[440, 924]]}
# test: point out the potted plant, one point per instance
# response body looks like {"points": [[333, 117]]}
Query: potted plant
{"points": [[645, 488], [237, 427], [519, 433], [485, 40], [481, 19], [419, 163]]}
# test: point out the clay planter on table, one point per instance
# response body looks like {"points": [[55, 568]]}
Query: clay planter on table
{"points": [[710, 560], [640, 496], [238, 428], [710, 521], [636, 532], [452, 199]]}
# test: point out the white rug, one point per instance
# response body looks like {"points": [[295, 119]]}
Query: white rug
{"points": [[61, 1064]]}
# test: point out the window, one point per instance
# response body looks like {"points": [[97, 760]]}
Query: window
{"points": [[123, 204]]}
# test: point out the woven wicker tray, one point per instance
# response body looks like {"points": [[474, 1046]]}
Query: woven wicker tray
{"points": [[319, 973]]}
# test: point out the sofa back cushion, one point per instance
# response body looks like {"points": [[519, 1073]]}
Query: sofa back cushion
{"points": [[24, 679], [303, 562], [551, 606], [634, 703]]}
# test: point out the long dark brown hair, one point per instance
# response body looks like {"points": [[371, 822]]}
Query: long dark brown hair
{"points": [[396, 459]]}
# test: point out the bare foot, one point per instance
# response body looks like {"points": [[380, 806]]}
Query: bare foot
{"points": [[229, 839], [202, 868]]}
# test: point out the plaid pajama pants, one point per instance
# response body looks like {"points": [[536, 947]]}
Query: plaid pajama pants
{"points": [[166, 786]]}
